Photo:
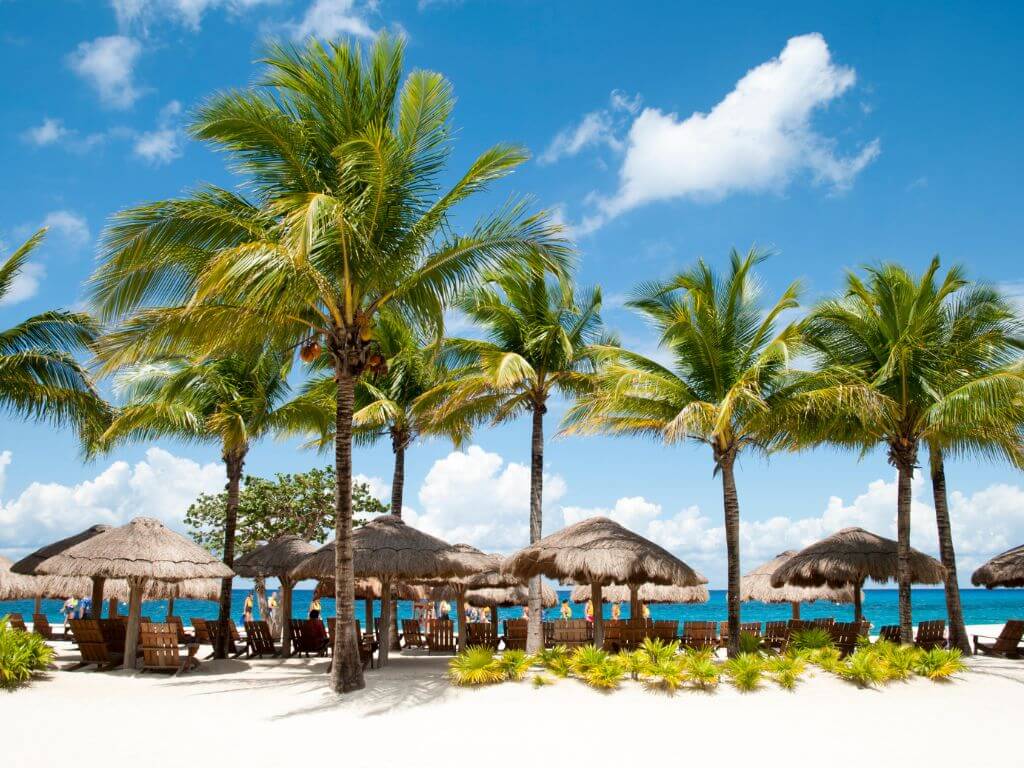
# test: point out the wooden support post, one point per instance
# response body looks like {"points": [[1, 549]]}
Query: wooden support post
{"points": [[286, 616], [595, 596], [131, 640], [384, 641]]}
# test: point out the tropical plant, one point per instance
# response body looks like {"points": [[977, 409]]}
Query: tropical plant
{"points": [[476, 665], [514, 664], [538, 342], [940, 663], [828, 658], [586, 658], [899, 660], [810, 639], [700, 668], [40, 377], [347, 222], [745, 671], [604, 676], [22, 654], [785, 670], [728, 371], [749, 643], [540, 680], [657, 649], [668, 674], [555, 659], [634, 663], [232, 401], [864, 667]]}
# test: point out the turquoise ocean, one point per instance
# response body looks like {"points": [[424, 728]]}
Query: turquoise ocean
{"points": [[981, 606]]}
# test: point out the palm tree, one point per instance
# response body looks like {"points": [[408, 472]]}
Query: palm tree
{"points": [[233, 401], [728, 372], [347, 222], [899, 341], [538, 342], [39, 375]]}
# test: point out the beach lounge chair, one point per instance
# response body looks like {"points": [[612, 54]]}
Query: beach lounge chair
{"points": [[844, 636], [1007, 645], [823, 623], [367, 646], [114, 632], [796, 625], [160, 649], [931, 634], [776, 635], [890, 633], [548, 628], [515, 634], [700, 634], [571, 633], [213, 630], [41, 626], [258, 640], [304, 641], [440, 636], [17, 621], [662, 630], [93, 646], [481, 634], [412, 634], [184, 637]]}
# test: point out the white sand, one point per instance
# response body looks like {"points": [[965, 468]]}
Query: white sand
{"points": [[280, 713]]}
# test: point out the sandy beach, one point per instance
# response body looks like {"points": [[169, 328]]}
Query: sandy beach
{"points": [[274, 712]]}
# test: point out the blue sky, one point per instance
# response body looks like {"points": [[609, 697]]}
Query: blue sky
{"points": [[834, 134]]}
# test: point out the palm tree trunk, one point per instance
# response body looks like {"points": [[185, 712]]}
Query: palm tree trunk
{"points": [[957, 631], [534, 637], [904, 497], [384, 641], [286, 616], [598, 602], [731, 505], [796, 610], [399, 441], [346, 669], [636, 613], [131, 638], [234, 461]]}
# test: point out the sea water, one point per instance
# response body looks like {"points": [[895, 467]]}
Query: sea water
{"points": [[981, 606]]}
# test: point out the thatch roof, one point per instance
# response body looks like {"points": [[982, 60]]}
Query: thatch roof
{"points": [[648, 593], [144, 548], [757, 585], [27, 565], [1005, 570], [851, 556], [599, 550], [14, 586], [275, 558], [509, 596], [388, 547], [370, 589]]}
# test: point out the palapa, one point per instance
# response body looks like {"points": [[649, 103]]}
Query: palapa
{"points": [[508, 597], [74, 586], [599, 551], [1005, 570], [15, 586], [850, 557], [142, 550], [646, 593], [757, 585], [276, 558]]}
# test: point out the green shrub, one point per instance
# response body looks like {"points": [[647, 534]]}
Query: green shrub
{"points": [[826, 658], [514, 664], [475, 666], [657, 650], [700, 669], [667, 674], [786, 670], [864, 667], [605, 675], [555, 660], [898, 660], [539, 681], [939, 663], [811, 639], [744, 671], [634, 663], [749, 643], [586, 658], [22, 654]]}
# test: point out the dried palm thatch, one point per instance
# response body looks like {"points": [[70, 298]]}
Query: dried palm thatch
{"points": [[27, 565], [275, 558], [14, 586], [371, 589], [852, 556], [757, 585], [506, 597], [647, 593], [1005, 570]]}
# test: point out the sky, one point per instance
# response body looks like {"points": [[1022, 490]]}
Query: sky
{"points": [[834, 135]]}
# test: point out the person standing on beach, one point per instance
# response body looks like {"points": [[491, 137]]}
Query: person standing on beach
{"points": [[616, 612], [247, 609], [590, 610], [68, 610], [314, 608], [566, 610]]}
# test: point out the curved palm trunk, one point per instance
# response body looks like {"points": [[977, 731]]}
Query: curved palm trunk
{"points": [[731, 505], [904, 496], [534, 636], [399, 441], [346, 669], [957, 631], [234, 461]]}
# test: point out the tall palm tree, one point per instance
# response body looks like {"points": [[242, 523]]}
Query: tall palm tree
{"points": [[40, 378], [232, 401], [538, 342], [897, 339], [728, 372], [348, 220]]}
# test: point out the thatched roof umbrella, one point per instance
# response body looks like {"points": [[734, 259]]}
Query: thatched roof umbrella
{"points": [[507, 597], [850, 557], [14, 586], [1005, 570], [390, 550], [277, 558], [757, 585], [644, 593], [599, 551], [143, 550], [28, 564], [368, 590]]}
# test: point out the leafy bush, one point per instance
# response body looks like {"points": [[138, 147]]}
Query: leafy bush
{"points": [[475, 666], [657, 650], [667, 674], [586, 658], [811, 639], [634, 663], [700, 668], [605, 675], [514, 664], [939, 663], [745, 671], [826, 658], [539, 681], [555, 660], [898, 660], [786, 670], [864, 667], [21, 655], [749, 643]]}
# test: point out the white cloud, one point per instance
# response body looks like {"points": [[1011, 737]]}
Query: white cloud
{"points": [[595, 129], [756, 139], [163, 144], [108, 65], [162, 486], [326, 19], [69, 225], [25, 285], [475, 497], [50, 131], [187, 13]]}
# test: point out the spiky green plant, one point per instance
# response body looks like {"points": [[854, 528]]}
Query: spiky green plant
{"points": [[827, 658], [548, 656], [668, 674], [745, 671], [634, 663], [749, 643], [475, 666], [864, 667], [940, 663], [810, 639], [586, 658], [899, 660], [22, 654], [540, 680], [605, 675], [657, 650], [514, 664], [700, 669], [786, 670]]}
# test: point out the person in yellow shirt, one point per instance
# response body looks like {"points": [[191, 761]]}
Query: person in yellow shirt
{"points": [[646, 611], [566, 610], [590, 610], [616, 612], [247, 608], [314, 606]]}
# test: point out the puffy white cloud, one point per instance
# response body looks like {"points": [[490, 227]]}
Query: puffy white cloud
{"points": [[595, 129], [758, 138], [25, 284], [108, 65], [475, 497], [162, 486], [67, 224], [50, 131], [187, 13], [329, 18], [163, 144]]}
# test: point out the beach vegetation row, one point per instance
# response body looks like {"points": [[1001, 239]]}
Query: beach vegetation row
{"points": [[22, 655]]}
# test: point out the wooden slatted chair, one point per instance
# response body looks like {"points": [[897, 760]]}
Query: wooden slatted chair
{"points": [[613, 635], [213, 630], [41, 626], [17, 621], [700, 634], [114, 633], [776, 634], [258, 640], [571, 633], [662, 630], [844, 636], [823, 623], [796, 625], [367, 646], [481, 634], [890, 633], [548, 628], [1007, 645], [184, 637], [515, 634], [412, 634], [93, 646], [306, 641], [931, 634], [160, 649], [440, 636]]}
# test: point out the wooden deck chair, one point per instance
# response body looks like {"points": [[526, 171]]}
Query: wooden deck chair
{"points": [[306, 640], [258, 640], [751, 628], [796, 625], [823, 623], [776, 634], [92, 646], [17, 621], [440, 636], [890, 633], [572, 633], [666, 631], [114, 633], [931, 634], [632, 634], [481, 634], [412, 634], [515, 634], [160, 649], [213, 630], [700, 634], [613, 635], [844, 636], [184, 637], [367, 646], [1007, 645], [201, 631], [41, 626], [548, 629]]}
